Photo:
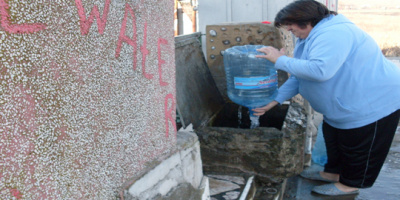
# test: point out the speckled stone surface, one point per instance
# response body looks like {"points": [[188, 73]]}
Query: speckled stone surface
{"points": [[87, 95]]}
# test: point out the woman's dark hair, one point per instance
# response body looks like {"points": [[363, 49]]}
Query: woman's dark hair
{"points": [[302, 12]]}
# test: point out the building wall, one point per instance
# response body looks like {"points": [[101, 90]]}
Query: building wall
{"points": [[87, 95]]}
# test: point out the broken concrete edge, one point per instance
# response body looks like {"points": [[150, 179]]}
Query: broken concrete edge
{"points": [[282, 189], [246, 191], [313, 120], [183, 40], [295, 120], [299, 118], [205, 187], [186, 191], [181, 171]]}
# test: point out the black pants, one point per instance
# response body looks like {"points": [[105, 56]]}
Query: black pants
{"points": [[357, 155]]}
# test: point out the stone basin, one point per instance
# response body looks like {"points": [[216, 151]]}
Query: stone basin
{"points": [[271, 152]]}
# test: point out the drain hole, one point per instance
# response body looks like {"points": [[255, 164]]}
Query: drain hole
{"points": [[271, 190]]}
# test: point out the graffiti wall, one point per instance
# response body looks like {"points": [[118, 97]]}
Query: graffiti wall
{"points": [[87, 95]]}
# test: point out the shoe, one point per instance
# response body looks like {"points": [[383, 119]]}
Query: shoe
{"points": [[314, 175], [332, 190]]}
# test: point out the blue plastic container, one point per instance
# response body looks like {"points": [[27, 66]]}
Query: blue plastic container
{"points": [[318, 154], [251, 82]]}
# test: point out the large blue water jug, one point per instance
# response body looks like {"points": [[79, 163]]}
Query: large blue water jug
{"points": [[251, 81]]}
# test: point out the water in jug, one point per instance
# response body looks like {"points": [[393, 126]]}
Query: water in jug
{"points": [[251, 81]]}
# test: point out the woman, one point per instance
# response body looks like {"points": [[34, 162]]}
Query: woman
{"points": [[342, 72]]}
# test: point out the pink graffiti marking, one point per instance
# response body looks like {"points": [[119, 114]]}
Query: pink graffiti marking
{"points": [[16, 28], [63, 135], [28, 111], [24, 127], [168, 113], [17, 194], [55, 70], [19, 137], [74, 65], [3, 136], [86, 23], [18, 145], [145, 52], [161, 61], [2, 69], [124, 38]]}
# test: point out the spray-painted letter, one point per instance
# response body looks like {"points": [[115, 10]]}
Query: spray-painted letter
{"points": [[145, 52], [16, 28], [169, 113], [161, 61], [124, 38], [87, 23]]}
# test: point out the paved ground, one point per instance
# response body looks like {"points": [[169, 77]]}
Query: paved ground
{"points": [[386, 187]]}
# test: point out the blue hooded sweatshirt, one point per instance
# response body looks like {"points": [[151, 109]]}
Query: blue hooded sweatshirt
{"points": [[342, 72]]}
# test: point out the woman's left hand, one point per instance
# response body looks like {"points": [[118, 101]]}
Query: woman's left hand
{"points": [[272, 54]]}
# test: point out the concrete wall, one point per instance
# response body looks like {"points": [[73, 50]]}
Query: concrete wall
{"points": [[87, 95]]}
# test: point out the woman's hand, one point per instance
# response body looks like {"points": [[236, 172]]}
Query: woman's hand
{"points": [[272, 54], [262, 110]]}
